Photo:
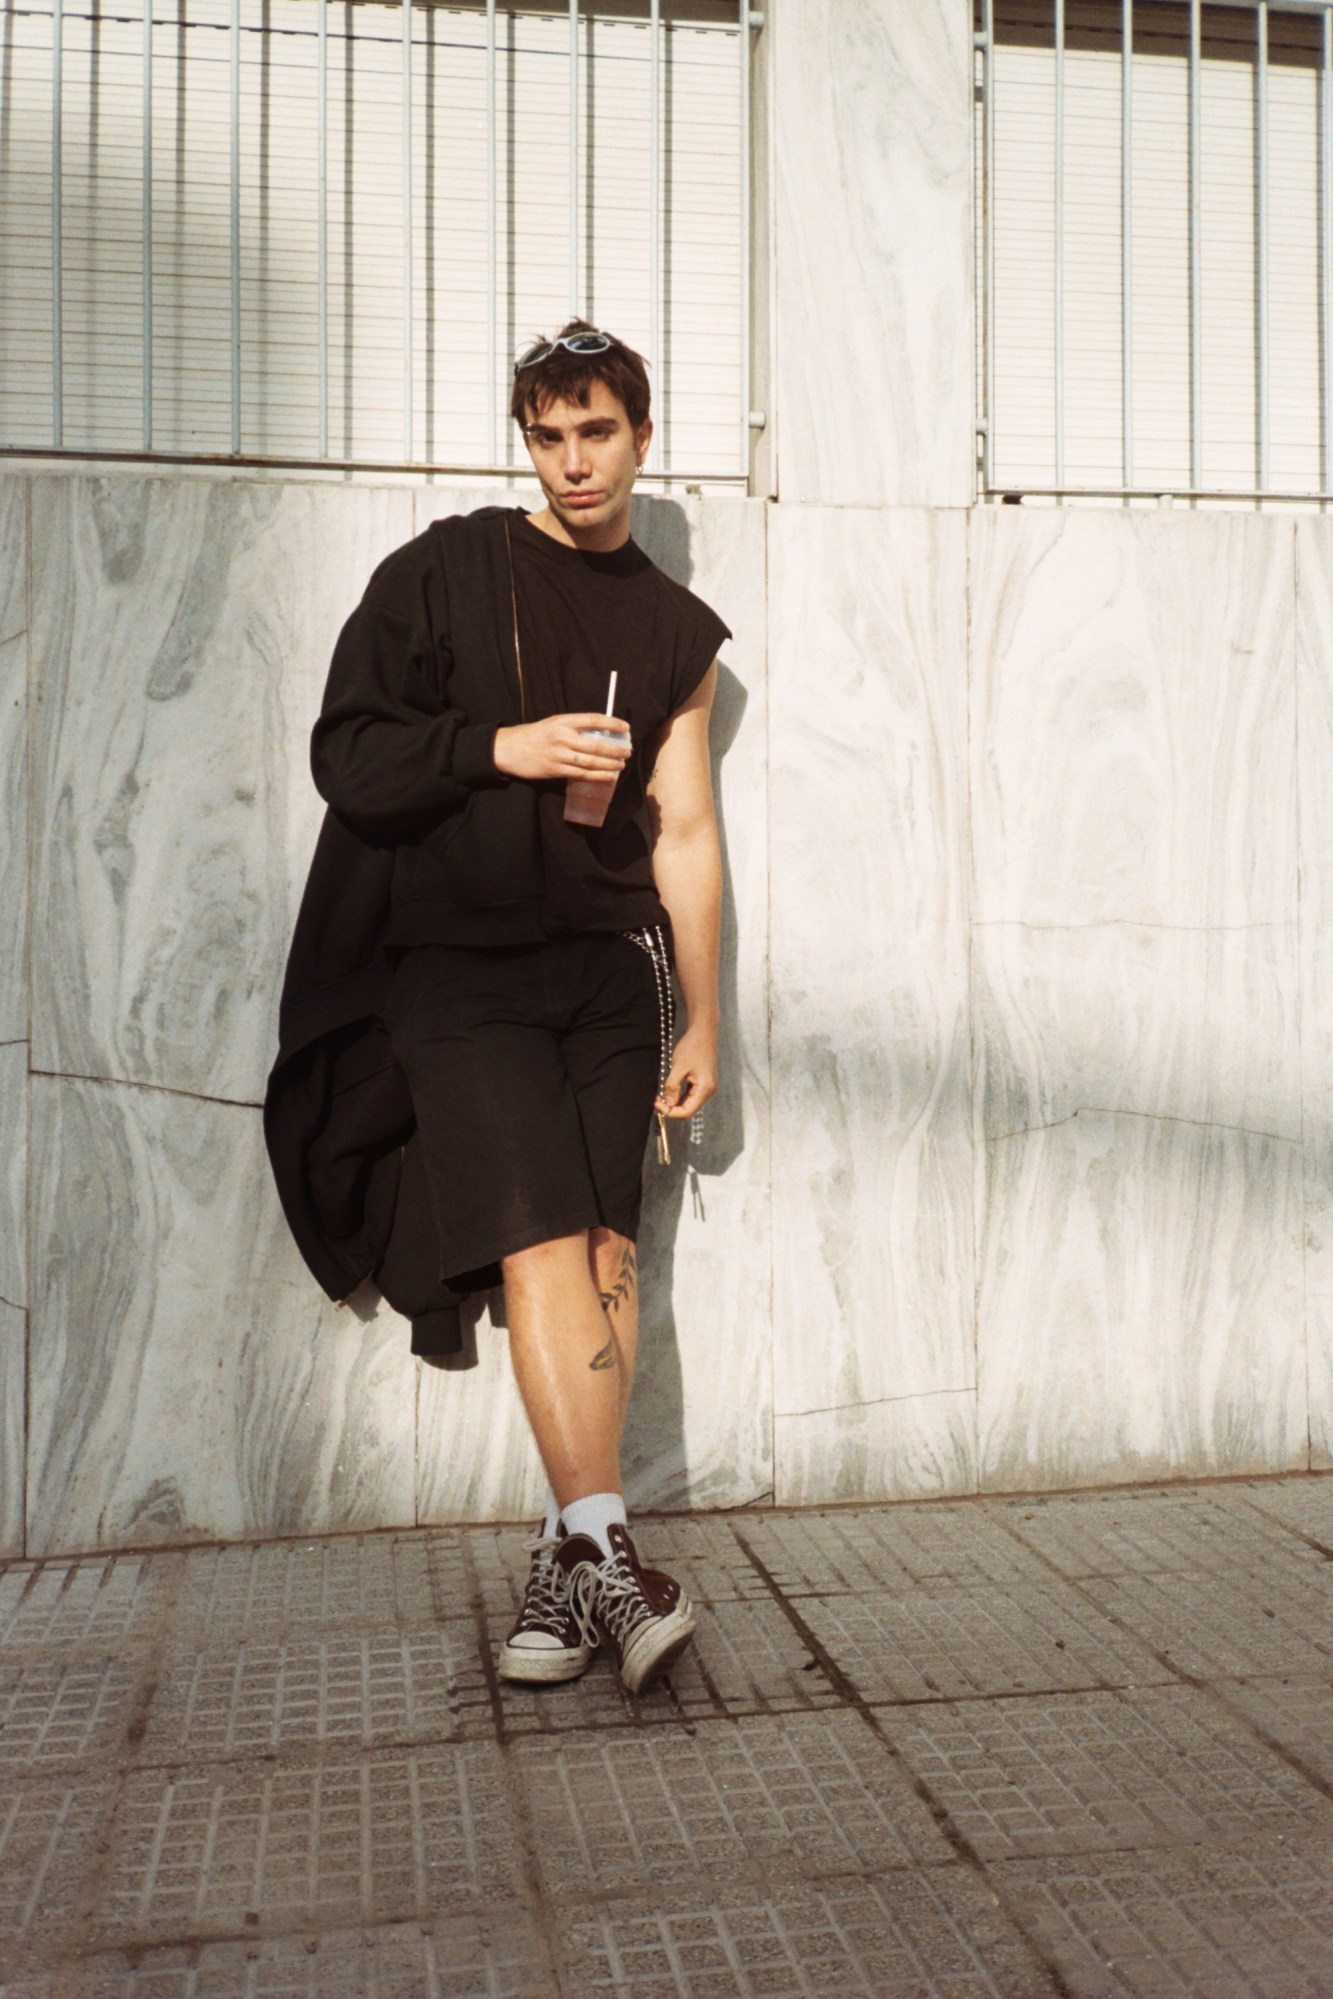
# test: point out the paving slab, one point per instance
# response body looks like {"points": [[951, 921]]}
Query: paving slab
{"points": [[67, 1714], [886, 1550], [1304, 1504], [1208, 1625], [49, 1833], [1170, 1531], [228, 1594], [118, 1601]]}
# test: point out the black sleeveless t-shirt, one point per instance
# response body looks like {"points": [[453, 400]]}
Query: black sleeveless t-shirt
{"points": [[582, 615]]}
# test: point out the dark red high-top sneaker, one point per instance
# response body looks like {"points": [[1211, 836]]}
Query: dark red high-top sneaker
{"points": [[549, 1641], [644, 1612]]}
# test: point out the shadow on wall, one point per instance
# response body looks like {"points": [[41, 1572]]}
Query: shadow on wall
{"points": [[662, 529]]}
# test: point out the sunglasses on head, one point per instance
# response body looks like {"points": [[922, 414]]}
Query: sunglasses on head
{"points": [[577, 343]]}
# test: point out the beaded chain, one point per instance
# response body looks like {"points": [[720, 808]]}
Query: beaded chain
{"points": [[654, 944]]}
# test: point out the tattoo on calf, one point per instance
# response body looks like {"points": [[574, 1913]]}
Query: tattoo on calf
{"points": [[605, 1356], [623, 1287]]}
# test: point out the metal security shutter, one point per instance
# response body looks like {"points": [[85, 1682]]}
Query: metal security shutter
{"points": [[697, 373], [1255, 425]]}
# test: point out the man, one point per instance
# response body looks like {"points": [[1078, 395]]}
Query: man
{"points": [[477, 1024]]}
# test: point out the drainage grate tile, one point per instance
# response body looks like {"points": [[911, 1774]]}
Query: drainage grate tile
{"points": [[892, 1549], [791, 1795], [1231, 1625], [933, 1934], [946, 1644], [64, 1712], [104, 1602], [1158, 1767], [352, 1839], [1148, 1533], [286, 1587], [495, 1957], [48, 1835], [364, 1687], [1192, 1924]]}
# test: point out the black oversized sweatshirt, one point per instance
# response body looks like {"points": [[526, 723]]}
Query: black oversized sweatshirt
{"points": [[424, 671]]}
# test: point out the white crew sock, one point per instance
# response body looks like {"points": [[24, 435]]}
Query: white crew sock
{"points": [[594, 1515], [551, 1516]]}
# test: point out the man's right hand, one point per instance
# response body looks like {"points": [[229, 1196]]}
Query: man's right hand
{"points": [[553, 747]]}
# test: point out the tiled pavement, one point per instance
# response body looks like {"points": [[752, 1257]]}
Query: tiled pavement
{"points": [[1076, 1745]]}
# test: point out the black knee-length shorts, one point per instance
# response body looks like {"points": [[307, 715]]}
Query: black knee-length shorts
{"points": [[533, 1070]]}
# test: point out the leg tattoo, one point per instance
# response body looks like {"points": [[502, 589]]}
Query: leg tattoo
{"points": [[625, 1280], [605, 1356]]}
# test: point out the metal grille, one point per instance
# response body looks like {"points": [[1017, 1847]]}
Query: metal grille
{"points": [[485, 95], [1154, 250]]}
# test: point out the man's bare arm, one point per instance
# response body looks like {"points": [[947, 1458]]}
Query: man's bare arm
{"points": [[687, 867]]}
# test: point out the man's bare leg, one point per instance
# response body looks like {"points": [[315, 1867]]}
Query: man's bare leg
{"points": [[573, 1356]]}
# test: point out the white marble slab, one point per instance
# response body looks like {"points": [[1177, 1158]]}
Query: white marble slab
{"points": [[699, 1431], [1137, 1008], [905, 1447], [187, 1379], [13, 1371], [181, 635], [872, 1142], [14, 757], [872, 309], [1140, 1304], [14, 1174], [1314, 630], [1133, 722]]}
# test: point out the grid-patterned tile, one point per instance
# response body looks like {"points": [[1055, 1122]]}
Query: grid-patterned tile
{"points": [[1182, 1529], [498, 1957], [1183, 1924], [1303, 1503], [946, 1644], [102, 1602], [419, 1685], [1231, 1625], [47, 1836], [364, 1580], [61, 1712], [933, 1934], [1297, 1714], [790, 1796], [889, 1548], [270, 1847], [1086, 1771]]}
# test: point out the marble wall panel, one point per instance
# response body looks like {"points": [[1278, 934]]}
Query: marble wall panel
{"points": [[699, 1430], [187, 1379], [1136, 996], [903, 1447], [872, 1142], [14, 756], [873, 252], [181, 635], [1314, 638], [13, 1291], [1132, 717]]}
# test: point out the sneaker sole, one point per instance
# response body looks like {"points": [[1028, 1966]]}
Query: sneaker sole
{"points": [[657, 1649], [542, 1668]]}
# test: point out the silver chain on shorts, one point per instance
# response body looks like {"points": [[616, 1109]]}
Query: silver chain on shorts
{"points": [[653, 942]]}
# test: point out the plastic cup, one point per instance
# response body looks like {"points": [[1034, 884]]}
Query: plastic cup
{"points": [[587, 799]]}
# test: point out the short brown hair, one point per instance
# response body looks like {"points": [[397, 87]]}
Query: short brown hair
{"points": [[566, 377]]}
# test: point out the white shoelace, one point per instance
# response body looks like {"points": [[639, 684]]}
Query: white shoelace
{"points": [[547, 1591], [607, 1588]]}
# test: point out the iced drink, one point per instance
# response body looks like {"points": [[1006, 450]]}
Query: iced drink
{"points": [[587, 799]]}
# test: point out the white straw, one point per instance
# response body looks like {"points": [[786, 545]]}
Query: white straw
{"points": [[611, 697]]}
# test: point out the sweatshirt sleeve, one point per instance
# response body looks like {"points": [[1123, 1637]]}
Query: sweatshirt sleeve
{"points": [[386, 753]]}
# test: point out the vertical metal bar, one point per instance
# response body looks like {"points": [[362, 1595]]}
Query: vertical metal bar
{"points": [[146, 226], [655, 203], [1127, 242], [1059, 230], [574, 158], [747, 238], [988, 265], [57, 245], [1326, 248], [407, 229], [322, 226], [235, 204], [1196, 245], [492, 395], [1261, 237]]}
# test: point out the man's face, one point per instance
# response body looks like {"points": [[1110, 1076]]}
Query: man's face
{"points": [[585, 458]]}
